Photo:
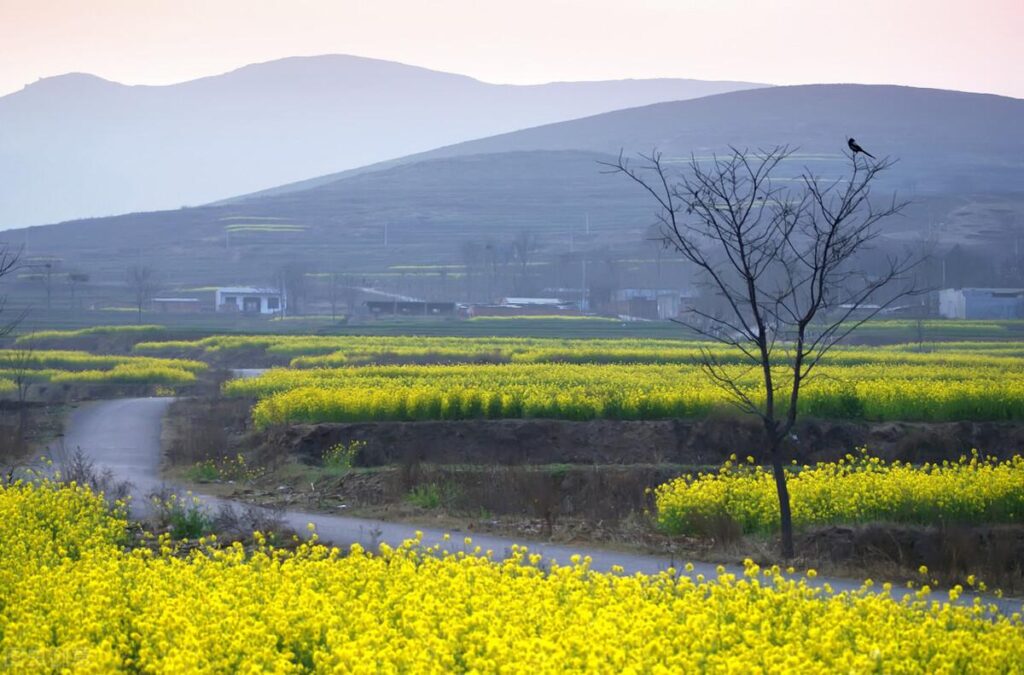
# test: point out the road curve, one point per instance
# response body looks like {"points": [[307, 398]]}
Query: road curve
{"points": [[123, 436]]}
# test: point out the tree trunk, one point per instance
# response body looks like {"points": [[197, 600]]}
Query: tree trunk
{"points": [[785, 513]]}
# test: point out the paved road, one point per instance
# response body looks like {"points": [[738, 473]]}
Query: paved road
{"points": [[124, 436]]}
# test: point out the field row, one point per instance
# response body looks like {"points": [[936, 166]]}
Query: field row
{"points": [[857, 489], [348, 350], [72, 597], [582, 392], [72, 367]]}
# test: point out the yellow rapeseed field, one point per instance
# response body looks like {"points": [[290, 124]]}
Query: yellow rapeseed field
{"points": [[856, 489], [880, 391], [77, 367], [319, 351], [44, 336], [72, 599]]}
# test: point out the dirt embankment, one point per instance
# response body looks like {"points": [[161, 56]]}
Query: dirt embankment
{"points": [[994, 553], [686, 442], [589, 481]]}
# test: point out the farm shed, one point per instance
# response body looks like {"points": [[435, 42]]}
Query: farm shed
{"points": [[981, 303]]}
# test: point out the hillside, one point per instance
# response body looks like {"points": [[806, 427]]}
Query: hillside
{"points": [[964, 178], [76, 145], [965, 140]]}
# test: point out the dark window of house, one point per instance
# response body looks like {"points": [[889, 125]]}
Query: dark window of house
{"points": [[273, 303]]}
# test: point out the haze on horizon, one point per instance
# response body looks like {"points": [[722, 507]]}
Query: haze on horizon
{"points": [[949, 44]]}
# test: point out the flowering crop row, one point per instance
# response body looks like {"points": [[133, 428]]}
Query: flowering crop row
{"points": [[640, 391], [71, 599], [310, 351], [73, 367], [857, 489], [76, 360], [44, 336]]}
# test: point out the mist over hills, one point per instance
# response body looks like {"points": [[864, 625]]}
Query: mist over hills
{"points": [[961, 161], [77, 145]]}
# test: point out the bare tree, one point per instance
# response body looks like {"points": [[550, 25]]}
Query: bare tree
{"points": [[19, 365], [47, 275], [472, 261], [10, 261], [341, 289], [291, 280], [334, 293], [496, 259], [75, 280], [10, 258], [144, 283], [781, 256], [524, 245], [351, 292]]}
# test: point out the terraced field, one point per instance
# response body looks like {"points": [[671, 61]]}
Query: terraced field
{"points": [[361, 378]]}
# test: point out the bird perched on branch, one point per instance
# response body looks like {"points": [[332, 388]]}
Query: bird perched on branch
{"points": [[856, 148]]}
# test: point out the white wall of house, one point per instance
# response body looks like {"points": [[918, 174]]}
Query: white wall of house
{"points": [[248, 300], [952, 304]]}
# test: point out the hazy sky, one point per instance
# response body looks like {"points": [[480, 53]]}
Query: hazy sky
{"points": [[973, 45]]}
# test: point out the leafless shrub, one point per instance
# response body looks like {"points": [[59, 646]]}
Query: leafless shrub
{"points": [[720, 528], [197, 430], [76, 467], [239, 522]]}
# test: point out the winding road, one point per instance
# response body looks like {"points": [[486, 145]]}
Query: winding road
{"points": [[123, 436]]}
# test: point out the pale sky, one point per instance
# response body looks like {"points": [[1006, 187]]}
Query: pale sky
{"points": [[952, 44]]}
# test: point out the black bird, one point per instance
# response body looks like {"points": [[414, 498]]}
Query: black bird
{"points": [[856, 148]]}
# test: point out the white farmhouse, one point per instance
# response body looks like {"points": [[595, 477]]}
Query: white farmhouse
{"points": [[249, 300]]}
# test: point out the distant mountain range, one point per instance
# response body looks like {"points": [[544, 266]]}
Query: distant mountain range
{"points": [[944, 140], [78, 146], [961, 161]]}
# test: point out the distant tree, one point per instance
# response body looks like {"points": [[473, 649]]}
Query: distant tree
{"points": [[18, 362], [291, 279], [15, 360], [341, 290], [44, 270], [472, 262], [334, 293], [143, 283], [496, 259], [524, 245], [351, 292], [779, 254], [76, 280], [48, 282], [10, 261]]}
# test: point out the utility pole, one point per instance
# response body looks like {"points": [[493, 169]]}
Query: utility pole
{"points": [[584, 305], [386, 233]]}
